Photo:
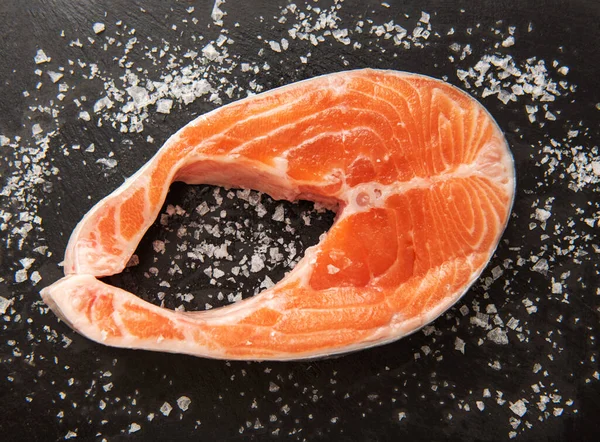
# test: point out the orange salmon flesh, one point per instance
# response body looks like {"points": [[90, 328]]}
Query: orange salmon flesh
{"points": [[424, 181]]}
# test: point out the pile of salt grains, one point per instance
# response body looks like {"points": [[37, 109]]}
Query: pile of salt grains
{"points": [[178, 73]]}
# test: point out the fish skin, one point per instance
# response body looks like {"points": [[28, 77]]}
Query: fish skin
{"points": [[423, 181]]}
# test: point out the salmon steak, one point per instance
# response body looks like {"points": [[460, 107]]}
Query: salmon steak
{"points": [[422, 180]]}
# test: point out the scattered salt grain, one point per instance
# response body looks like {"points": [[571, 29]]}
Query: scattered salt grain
{"points": [[35, 277], [210, 52], [541, 266], [98, 28], [21, 276], [55, 76], [459, 345], [134, 427], [183, 403], [519, 408], [164, 106], [510, 41], [275, 46], [257, 264], [108, 162], [542, 215], [70, 435], [4, 304], [498, 336], [41, 57], [217, 14], [166, 408]]}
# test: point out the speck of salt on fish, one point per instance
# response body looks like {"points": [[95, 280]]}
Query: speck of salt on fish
{"points": [[134, 427]]}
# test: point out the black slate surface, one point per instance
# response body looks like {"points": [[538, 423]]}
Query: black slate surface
{"points": [[57, 385]]}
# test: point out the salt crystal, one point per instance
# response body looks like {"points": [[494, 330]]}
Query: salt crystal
{"points": [[139, 95], [134, 427], [41, 57], [275, 46], [98, 28], [110, 163], [279, 213], [273, 388], [512, 323], [4, 304], [36, 129], [257, 264], [541, 266], [217, 14], [163, 106], [498, 336], [424, 17], [4, 141], [70, 434], [35, 277], [332, 270], [459, 345], [55, 76], [27, 262], [510, 41], [21, 276], [542, 215], [84, 115], [166, 408], [103, 103], [519, 408], [210, 52], [563, 70], [183, 403], [480, 405]]}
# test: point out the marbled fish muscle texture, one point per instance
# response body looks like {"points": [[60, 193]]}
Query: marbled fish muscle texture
{"points": [[423, 180]]}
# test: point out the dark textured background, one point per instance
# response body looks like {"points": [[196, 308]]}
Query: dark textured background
{"points": [[356, 397]]}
